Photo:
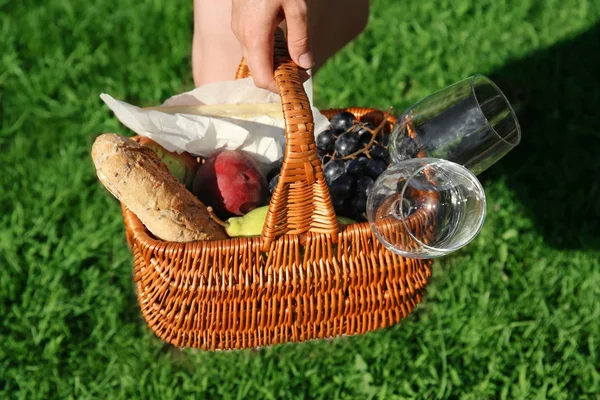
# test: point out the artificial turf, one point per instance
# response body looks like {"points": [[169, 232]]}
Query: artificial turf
{"points": [[514, 315]]}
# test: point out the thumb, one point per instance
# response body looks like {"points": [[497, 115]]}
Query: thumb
{"points": [[297, 35]]}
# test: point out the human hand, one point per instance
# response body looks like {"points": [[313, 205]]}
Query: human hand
{"points": [[254, 23]]}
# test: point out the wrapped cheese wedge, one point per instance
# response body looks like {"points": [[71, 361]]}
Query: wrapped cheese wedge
{"points": [[272, 110]]}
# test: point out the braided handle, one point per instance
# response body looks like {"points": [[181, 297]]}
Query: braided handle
{"points": [[301, 202]]}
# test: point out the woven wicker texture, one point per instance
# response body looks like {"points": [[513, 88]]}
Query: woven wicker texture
{"points": [[304, 278], [243, 71]]}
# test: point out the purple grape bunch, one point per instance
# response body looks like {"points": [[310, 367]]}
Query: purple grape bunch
{"points": [[352, 161]]}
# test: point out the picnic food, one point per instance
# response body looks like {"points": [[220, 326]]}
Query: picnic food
{"points": [[353, 155], [276, 288], [346, 144], [342, 121], [136, 176], [332, 170], [325, 141], [182, 166], [252, 223], [231, 182], [145, 178], [406, 148], [250, 110]]}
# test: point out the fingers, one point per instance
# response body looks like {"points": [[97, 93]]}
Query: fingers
{"points": [[258, 53], [297, 33], [254, 24]]}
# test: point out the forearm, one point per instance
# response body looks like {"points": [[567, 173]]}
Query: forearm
{"points": [[216, 52]]}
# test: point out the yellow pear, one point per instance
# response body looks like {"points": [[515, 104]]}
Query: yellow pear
{"points": [[251, 224]]}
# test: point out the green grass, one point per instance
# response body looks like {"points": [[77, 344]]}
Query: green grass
{"points": [[514, 315]]}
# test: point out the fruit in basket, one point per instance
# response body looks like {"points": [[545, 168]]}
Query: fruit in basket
{"points": [[250, 224], [273, 176], [357, 205], [363, 160], [325, 141], [182, 166], [345, 220], [342, 121], [231, 182], [364, 128], [346, 144], [364, 138], [142, 182], [274, 170], [406, 148], [340, 188], [354, 167], [351, 160], [384, 140], [363, 185], [253, 222], [360, 156], [333, 169], [380, 152], [375, 167], [273, 183]]}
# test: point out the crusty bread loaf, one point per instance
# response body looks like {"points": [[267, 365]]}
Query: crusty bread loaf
{"points": [[139, 179]]}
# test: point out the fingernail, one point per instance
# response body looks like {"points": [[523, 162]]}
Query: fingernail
{"points": [[306, 60]]}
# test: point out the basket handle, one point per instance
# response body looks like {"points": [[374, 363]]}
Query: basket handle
{"points": [[301, 202]]}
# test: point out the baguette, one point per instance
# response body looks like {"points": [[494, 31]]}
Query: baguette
{"points": [[136, 176]]}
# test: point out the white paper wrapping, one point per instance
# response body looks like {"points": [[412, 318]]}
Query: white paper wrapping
{"points": [[261, 136]]}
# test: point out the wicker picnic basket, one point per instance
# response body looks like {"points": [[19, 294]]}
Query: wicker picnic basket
{"points": [[305, 278]]}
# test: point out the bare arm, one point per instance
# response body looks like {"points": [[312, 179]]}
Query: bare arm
{"points": [[226, 30], [216, 53]]}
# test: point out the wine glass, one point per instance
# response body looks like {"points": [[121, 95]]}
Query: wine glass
{"points": [[470, 122], [426, 207]]}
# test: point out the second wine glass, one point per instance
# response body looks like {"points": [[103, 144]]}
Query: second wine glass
{"points": [[470, 123]]}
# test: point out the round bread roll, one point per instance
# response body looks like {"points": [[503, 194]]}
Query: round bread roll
{"points": [[139, 179]]}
